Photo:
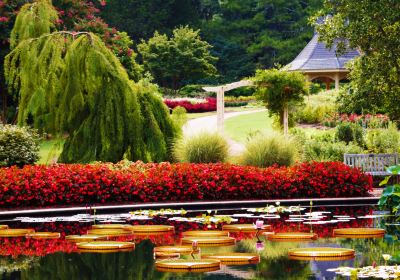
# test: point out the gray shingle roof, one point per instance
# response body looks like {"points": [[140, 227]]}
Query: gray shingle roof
{"points": [[316, 56]]}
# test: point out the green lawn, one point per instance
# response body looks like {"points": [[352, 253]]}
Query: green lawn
{"points": [[239, 128], [49, 150]]}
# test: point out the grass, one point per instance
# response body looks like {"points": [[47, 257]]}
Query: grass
{"points": [[49, 150], [239, 128]]}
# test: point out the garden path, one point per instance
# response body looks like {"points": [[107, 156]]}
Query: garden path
{"points": [[209, 124]]}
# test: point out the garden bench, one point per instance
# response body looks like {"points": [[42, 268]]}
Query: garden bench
{"points": [[373, 164]]}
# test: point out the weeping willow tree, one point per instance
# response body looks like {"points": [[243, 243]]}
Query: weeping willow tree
{"points": [[72, 84]]}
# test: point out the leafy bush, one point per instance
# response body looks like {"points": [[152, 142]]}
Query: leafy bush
{"points": [[390, 199], [236, 103], [18, 145], [242, 91], [179, 116], [267, 150], [209, 105], [239, 98], [383, 140], [317, 150], [350, 132], [79, 184], [192, 91], [313, 114], [202, 148]]}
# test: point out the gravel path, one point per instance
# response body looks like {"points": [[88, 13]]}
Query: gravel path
{"points": [[209, 124]]}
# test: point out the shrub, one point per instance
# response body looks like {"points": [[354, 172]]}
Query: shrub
{"points": [[350, 132], [316, 150], [78, 184], [236, 103], [383, 140], [367, 121], [192, 91], [267, 150], [179, 116], [204, 147], [18, 145], [313, 114], [209, 105]]}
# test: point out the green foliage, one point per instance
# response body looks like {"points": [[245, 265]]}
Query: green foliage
{"points": [[350, 132], [350, 101], [192, 91], [373, 28], [179, 116], [383, 140], [33, 21], [245, 34], [184, 56], [141, 18], [317, 150], [313, 114], [266, 150], [390, 199], [18, 145], [204, 147], [106, 116], [278, 88]]}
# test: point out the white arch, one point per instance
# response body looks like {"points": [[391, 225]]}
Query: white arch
{"points": [[220, 90]]}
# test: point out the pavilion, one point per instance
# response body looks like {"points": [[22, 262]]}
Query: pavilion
{"points": [[317, 61]]}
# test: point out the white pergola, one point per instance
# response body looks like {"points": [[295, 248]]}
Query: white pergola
{"points": [[220, 90]]}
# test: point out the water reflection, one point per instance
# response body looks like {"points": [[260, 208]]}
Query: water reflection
{"points": [[56, 259]]}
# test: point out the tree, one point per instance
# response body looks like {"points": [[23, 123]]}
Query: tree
{"points": [[373, 28], [71, 83], [72, 15], [267, 32], [184, 56], [280, 89], [141, 18]]}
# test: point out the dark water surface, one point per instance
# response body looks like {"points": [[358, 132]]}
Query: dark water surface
{"points": [[23, 258]]}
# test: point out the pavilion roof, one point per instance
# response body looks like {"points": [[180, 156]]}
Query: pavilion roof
{"points": [[317, 56]]}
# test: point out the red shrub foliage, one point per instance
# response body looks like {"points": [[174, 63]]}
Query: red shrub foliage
{"points": [[208, 106], [76, 184]]}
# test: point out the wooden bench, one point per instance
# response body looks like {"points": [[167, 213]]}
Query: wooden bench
{"points": [[373, 164]]}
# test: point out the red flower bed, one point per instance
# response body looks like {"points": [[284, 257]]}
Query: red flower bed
{"points": [[367, 120], [76, 184], [208, 106]]}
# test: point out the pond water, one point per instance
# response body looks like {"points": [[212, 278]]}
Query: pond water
{"points": [[26, 258]]}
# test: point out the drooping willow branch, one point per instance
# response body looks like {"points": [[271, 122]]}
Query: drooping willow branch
{"points": [[71, 84]]}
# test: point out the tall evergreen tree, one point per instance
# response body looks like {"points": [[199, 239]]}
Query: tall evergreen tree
{"points": [[71, 83]]}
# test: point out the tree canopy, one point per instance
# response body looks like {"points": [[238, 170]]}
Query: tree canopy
{"points": [[71, 83], [373, 27], [183, 56]]}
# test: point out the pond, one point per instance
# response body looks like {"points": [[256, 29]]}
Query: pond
{"points": [[28, 258]]}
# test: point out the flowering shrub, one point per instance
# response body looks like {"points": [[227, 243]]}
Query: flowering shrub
{"points": [[77, 184], [370, 121], [209, 105], [204, 105]]}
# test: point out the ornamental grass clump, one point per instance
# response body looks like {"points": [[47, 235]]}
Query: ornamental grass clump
{"points": [[18, 145], [204, 147], [267, 150]]}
